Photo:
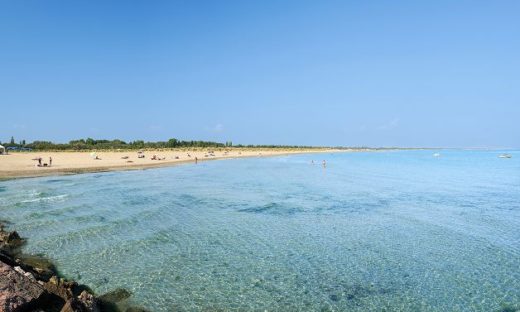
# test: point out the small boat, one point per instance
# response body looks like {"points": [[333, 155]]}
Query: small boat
{"points": [[504, 156], [436, 155]]}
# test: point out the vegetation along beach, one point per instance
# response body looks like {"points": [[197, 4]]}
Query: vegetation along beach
{"points": [[27, 163]]}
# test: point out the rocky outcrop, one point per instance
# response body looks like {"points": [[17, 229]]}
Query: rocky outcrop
{"points": [[60, 287], [31, 283], [18, 290], [85, 302], [9, 241], [21, 291]]}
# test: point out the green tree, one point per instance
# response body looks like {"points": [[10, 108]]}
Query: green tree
{"points": [[172, 143]]}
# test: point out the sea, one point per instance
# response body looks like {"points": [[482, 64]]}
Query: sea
{"points": [[369, 231]]}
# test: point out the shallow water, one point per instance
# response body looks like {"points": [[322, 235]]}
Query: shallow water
{"points": [[388, 230]]}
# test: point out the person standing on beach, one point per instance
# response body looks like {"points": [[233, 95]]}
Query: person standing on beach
{"points": [[196, 159], [39, 161], [50, 161]]}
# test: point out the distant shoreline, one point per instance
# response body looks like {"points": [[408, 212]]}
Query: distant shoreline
{"points": [[18, 165]]}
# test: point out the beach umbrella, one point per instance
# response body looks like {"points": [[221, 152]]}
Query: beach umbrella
{"points": [[2, 149], [93, 155]]}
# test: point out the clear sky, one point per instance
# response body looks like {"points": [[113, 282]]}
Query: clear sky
{"points": [[352, 73]]}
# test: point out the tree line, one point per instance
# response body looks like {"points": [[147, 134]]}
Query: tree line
{"points": [[90, 144]]}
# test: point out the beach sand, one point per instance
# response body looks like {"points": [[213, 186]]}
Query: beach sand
{"points": [[21, 164]]}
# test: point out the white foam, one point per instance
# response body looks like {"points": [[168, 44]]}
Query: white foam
{"points": [[46, 199]]}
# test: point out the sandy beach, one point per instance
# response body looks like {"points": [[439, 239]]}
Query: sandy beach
{"points": [[24, 164]]}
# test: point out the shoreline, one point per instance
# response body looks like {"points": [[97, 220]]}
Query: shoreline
{"points": [[17, 165], [31, 281]]}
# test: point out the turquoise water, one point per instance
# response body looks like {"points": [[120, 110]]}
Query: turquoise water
{"points": [[401, 231]]}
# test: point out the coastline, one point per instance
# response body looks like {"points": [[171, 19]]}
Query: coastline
{"points": [[23, 164], [262, 209], [31, 281]]}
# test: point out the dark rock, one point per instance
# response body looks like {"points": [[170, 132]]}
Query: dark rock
{"points": [[6, 258], [17, 292], [115, 295], [88, 301], [73, 305], [43, 268], [6, 236], [9, 241], [60, 288], [108, 301], [85, 302], [29, 283]]}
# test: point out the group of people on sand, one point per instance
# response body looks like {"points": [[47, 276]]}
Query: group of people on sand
{"points": [[155, 157], [41, 163]]}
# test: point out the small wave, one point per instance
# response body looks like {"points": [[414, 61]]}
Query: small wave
{"points": [[46, 199], [272, 208], [357, 206], [56, 180]]}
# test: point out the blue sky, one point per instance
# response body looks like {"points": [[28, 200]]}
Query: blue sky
{"points": [[352, 73]]}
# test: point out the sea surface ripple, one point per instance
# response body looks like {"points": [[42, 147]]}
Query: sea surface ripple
{"points": [[396, 230]]}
